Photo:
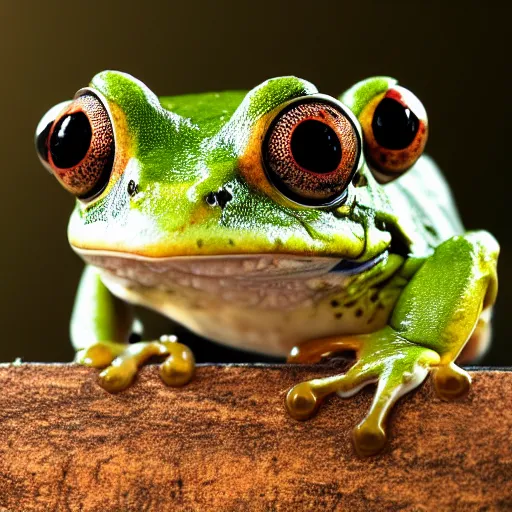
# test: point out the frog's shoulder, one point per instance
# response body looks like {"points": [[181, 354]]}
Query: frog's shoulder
{"points": [[426, 181], [429, 201]]}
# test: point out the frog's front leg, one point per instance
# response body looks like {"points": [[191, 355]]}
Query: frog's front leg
{"points": [[101, 325], [431, 322]]}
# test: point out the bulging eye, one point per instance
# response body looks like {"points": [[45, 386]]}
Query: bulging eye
{"points": [[78, 145], [395, 129], [310, 152]]}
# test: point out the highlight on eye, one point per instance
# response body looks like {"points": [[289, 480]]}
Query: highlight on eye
{"points": [[395, 129], [311, 151], [78, 145]]}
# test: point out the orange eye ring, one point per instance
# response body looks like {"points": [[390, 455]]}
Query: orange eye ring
{"points": [[79, 146], [311, 150], [395, 129]]}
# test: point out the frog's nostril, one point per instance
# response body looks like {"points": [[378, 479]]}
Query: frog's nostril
{"points": [[220, 198], [133, 188]]}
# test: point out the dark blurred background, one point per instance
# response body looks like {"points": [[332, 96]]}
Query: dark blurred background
{"points": [[455, 56]]}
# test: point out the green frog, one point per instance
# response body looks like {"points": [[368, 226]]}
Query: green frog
{"points": [[280, 221]]}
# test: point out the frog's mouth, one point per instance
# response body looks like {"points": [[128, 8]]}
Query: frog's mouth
{"points": [[349, 267], [253, 266], [256, 280]]}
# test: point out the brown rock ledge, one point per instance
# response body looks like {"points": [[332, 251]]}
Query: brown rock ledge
{"points": [[225, 442]]}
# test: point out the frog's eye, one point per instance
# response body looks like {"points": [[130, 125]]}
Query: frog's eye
{"points": [[395, 132], [78, 146], [311, 150]]}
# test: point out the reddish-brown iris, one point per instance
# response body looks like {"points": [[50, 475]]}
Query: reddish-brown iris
{"points": [[311, 151], [80, 147], [395, 132]]}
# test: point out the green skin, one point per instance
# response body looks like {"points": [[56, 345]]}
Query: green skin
{"points": [[183, 148]]}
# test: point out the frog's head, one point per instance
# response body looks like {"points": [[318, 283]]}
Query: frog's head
{"points": [[281, 169]]}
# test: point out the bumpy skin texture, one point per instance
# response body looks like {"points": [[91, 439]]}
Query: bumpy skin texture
{"points": [[190, 225]]}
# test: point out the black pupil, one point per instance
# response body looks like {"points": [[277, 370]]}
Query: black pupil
{"points": [[316, 147], [394, 126], [70, 140]]}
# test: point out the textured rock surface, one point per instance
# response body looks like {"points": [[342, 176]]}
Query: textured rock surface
{"points": [[225, 442]]}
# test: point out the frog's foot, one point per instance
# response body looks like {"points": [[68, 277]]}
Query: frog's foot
{"points": [[315, 350], [451, 382], [395, 364], [123, 361], [100, 354]]}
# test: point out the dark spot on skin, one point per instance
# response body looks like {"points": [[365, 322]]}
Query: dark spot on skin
{"points": [[135, 337], [133, 188], [231, 242], [200, 243], [374, 297], [338, 315], [380, 305], [220, 198], [430, 229], [380, 224], [350, 304], [359, 312], [359, 180], [334, 303]]}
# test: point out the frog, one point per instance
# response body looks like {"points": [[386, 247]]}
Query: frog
{"points": [[280, 220]]}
